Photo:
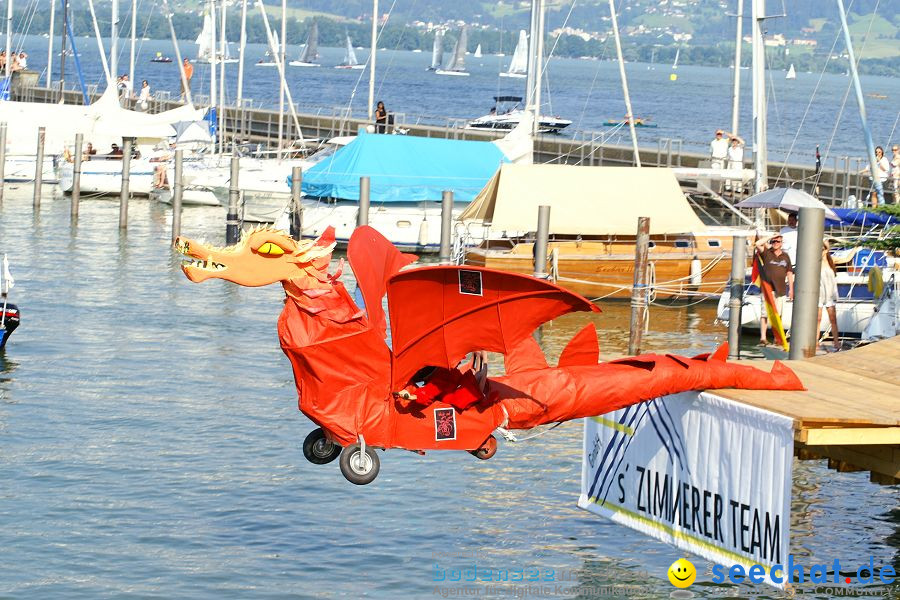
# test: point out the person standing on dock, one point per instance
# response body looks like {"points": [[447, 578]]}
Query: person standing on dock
{"points": [[778, 271], [895, 173], [735, 155], [718, 150], [882, 170], [828, 293], [789, 233], [188, 73], [381, 118]]}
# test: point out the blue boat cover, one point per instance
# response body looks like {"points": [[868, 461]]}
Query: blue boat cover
{"points": [[405, 168], [864, 218]]}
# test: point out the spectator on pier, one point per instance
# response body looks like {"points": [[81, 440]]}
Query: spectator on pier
{"points": [[828, 293], [735, 155], [188, 69], [718, 150], [789, 233], [2, 60], [144, 98], [779, 270], [23, 61], [882, 171], [89, 152], [895, 173], [381, 118], [115, 152]]}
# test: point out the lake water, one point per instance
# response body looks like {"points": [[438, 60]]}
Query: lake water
{"points": [[150, 447], [802, 113]]}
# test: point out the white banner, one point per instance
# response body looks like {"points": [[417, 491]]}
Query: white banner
{"points": [[697, 471]]}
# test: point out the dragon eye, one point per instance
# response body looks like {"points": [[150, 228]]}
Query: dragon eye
{"points": [[270, 249]]}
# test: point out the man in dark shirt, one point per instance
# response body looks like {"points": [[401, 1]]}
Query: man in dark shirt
{"points": [[780, 272]]}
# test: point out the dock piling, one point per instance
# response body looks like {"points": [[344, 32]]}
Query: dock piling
{"points": [[232, 225], [541, 239], [125, 193], [39, 167], [804, 321], [76, 175], [177, 193], [2, 158], [736, 288], [362, 217], [296, 206], [639, 289], [446, 226]]}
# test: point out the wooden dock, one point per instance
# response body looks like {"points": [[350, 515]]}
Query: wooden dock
{"points": [[849, 413]]}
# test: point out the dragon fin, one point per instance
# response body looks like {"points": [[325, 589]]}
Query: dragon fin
{"points": [[526, 355], [582, 349]]}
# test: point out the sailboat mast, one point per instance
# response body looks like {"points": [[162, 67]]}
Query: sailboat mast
{"points": [[629, 115], [213, 88], [62, 56], [50, 44], [240, 82], [133, 42], [114, 40], [100, 50], [736, 93], [870, 145], [184, 81], [222, 54], [759, 103], [372, 54], [9, 21], [529, 75], [538, 65], [281, 52]]}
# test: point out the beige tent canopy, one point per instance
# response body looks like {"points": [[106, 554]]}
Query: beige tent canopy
{"points": [[590, 201]]}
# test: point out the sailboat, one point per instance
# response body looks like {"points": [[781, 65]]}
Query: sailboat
{"points": [[268, 60], [206, 44], [518, 67], [310, 50], [437, 51], [477, 52], [791, 74], [674, 75], [350, 61], [457, 65]]}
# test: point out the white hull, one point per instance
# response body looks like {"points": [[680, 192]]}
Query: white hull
{"points": [[105, 177], [22, 168], [189, 197], [297, 63], [508, 122], [853, 315], [454, 73], [354, 67], [514, 75]]}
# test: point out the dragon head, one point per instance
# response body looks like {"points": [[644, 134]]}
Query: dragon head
{"points": [[262, 256]]}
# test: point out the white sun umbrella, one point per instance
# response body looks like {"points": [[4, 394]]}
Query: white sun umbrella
{"points": [[788, 200]]}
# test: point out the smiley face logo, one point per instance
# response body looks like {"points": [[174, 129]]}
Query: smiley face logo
{"points": [[682, 573]]}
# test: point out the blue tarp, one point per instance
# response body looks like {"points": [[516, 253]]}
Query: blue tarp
{"points": [[405, 168], [864, 218]]}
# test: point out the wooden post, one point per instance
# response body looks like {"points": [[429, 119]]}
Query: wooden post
{"points": [[76, 175], [125, 193], [541, 239], [177, 193], [2, 158], [362, 217], [39, 167], [639, 290], [296, 206], [738, 268], [446, 226], [232, 225]]}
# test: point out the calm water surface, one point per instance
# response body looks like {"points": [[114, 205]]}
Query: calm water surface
{"points": [[150, 447]]}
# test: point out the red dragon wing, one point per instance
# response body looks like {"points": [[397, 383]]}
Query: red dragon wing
{"points": [[439, 314], [374, 260]]}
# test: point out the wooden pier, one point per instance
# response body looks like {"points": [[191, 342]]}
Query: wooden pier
{"points": [[837, 180], [849, 413]]}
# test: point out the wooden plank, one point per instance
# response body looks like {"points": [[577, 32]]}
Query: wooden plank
{"points": [[856, 436], [879, 361]]}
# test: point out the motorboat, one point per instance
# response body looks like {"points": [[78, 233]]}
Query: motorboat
{"points": [[159, 58], [508, 112]]}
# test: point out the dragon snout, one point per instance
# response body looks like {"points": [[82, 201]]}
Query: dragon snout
{"points": [[182, 245]]}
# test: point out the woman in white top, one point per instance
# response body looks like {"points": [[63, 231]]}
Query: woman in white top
{"points": [[828, 294], [882, 170], [144, 98]]}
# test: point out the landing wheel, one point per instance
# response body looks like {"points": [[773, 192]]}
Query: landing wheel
{"points": [[487, 450], [318, 449], [359, 467]]}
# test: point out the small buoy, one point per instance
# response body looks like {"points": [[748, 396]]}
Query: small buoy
{"points": [[876, 282], [696, 272], [423, 233], [673, 77]]}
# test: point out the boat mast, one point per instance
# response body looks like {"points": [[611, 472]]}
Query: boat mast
{"points": [[9, 22], [538, 65], [629, 114], [50, 45], [114, 40], [279, 64], [372, 59], [759, 104], [281, 53], [184, 82], [240, 82], [133, 42], [736, 94], [223, 45], [870, 145], [529, 75], [62, 55], [100, 49]]}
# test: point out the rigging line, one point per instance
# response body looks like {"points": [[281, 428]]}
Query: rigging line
{"points": [[387, 69], [809, 105], [545, 74], [368, 62]]}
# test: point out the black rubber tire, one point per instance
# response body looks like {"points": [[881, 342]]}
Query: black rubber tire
{"points": [[487, 450], [359, 468], [318, 449]]}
